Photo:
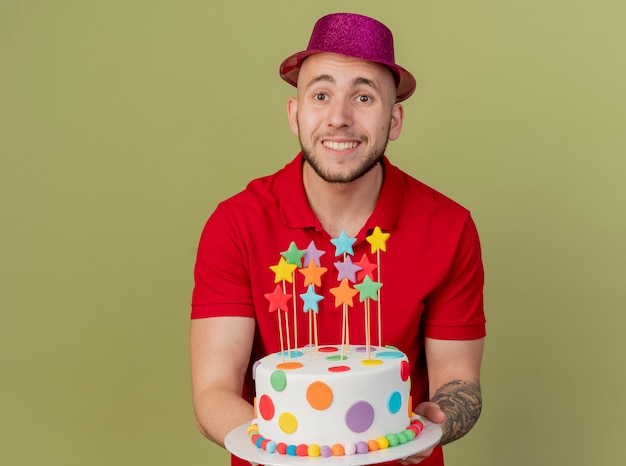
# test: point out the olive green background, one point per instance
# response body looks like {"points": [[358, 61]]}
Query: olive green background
{"points": [[123, 123]]}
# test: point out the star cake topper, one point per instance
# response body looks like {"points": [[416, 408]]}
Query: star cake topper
{"points": [[344, 293], [293, 255], [311, 253], [343, 244], [368, 289], [313, 274], [279, 300], [347, 269], [283, 271], [367, 268], [311, 299], [378, 240]]}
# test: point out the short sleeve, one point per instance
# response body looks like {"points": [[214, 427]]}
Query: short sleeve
{"points": [[221, 279], [455, 309]]}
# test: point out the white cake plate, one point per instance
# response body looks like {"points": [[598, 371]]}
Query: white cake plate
{"points": [[238, 443]]}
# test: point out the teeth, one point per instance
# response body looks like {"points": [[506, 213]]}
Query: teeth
{"points": [[339, 145]]}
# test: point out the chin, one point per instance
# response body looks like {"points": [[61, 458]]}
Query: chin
{"points": [[342, 173]]}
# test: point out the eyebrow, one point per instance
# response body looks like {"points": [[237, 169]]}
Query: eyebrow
{"points": [[328, 78], [320, 78]]}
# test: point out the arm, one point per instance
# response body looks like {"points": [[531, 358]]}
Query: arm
{"points": [[454, 378], [220, 351]]}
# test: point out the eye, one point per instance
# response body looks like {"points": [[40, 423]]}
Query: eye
{"points": [[364, 99], [320, 97]]}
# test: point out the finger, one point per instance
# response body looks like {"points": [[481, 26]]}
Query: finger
{"points": [[431, 411], [417, 458]]}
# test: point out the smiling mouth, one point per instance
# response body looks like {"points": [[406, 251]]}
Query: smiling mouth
{"points": [[339, 146]]}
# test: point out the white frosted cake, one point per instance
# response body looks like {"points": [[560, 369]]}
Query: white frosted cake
{"points": [[332, 402]]}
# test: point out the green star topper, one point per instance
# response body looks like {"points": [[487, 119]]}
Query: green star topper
{"points": [[368, 289]]}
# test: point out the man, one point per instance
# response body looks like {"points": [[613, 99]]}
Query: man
{"points": [[348, 105]]}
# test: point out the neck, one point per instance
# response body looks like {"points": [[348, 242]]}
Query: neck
{"points": [[343, 206]]}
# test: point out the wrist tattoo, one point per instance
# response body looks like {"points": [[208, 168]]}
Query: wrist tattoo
{"points": [[461, 401]]}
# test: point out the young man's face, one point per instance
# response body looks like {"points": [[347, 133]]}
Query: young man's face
{"points": [[345, 113]]}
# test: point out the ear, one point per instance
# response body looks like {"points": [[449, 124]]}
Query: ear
{"points": [[292, 114], [397, 117]]}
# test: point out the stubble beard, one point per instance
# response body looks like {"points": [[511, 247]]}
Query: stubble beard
{"points": [[367, 164]]}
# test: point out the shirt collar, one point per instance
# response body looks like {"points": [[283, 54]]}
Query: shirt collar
{"points": [[297, 212]]}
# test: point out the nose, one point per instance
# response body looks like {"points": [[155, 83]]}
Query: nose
{"points": [[340, 114]]}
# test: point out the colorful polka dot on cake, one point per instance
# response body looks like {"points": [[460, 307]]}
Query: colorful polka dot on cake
{"points": [[405, 370], [266, 407], [319, 395], [394, 402], [390, 355], [278, 379], [287, 423], [290, 366], [360, 416], [254, 366], [338, 369], [371, 362], [328, 349]]}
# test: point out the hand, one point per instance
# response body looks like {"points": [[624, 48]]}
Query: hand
{"points": [[433, 413]]}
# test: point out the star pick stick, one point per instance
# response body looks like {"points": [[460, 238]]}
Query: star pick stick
{"points": [[279, 301], [378, 241], [311, 300], [293, 256], [346, 271], [313, 276], [343, 297], [284, 272], [368, 290]]}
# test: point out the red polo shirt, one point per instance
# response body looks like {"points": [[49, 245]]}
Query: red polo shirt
{"points": [[432, 271]]}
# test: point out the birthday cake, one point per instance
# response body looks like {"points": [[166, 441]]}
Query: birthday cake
{"points": [[333, 404], [331, 400]]}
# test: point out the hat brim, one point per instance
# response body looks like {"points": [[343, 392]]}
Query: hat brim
{"points": [[290, 69]]}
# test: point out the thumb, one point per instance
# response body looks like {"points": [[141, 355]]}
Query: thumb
{"points": [[431, 411]]}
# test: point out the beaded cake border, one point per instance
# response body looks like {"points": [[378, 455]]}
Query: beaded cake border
{"points": [[337, 449]]}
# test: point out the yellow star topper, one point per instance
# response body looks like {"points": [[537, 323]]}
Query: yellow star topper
{"points": [[378, 240], [283, 270]]}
